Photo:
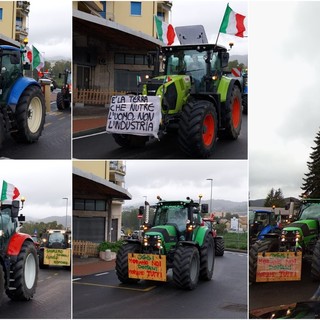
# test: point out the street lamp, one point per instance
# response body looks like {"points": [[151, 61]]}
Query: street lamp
{"points": [[210, 179], [66, 212]]}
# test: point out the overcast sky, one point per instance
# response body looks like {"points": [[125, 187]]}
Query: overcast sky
{"points": [[284, 107], [175, 180], [43, 183], [210, 14], [50, 28]]}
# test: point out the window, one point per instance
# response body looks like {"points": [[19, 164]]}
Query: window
{"points": [[1, 10], [125, 58], [89, 205], [135, 8]]}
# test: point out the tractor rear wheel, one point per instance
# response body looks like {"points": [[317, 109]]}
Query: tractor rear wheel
{"points": [[198, 127], [207, 253], [30, 115], [60, 102], [1, 283], [24, 274], [232, 115], [122, 262], [186, 267], [315, 264], [219, 243]]}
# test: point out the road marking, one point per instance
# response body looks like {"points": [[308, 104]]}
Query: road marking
{"points": [[89, 135], [76, 279], [101, 274], [115, 287], [47, 124]]}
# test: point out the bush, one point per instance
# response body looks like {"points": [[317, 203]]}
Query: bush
{"points": [[113, 246]]}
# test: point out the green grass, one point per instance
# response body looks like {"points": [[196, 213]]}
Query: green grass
{"points": [[233, 240]]}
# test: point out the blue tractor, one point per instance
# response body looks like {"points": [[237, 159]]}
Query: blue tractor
{"points": [[22, 104]]}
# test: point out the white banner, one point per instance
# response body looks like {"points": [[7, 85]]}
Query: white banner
{"points": [[137, 115]]}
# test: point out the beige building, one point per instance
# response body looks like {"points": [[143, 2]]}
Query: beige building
{"points": [[14, 21], [98, 195]]}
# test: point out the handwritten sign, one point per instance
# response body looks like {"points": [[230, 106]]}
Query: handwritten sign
{"points": [[279, 266], [147, 266], [56, 257], [138, 115]]}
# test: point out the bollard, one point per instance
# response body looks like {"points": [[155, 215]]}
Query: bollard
{"points": [[108, 255], [45, 86]]}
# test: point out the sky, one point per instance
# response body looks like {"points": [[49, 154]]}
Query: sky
{"points": [[43, 183], [210, 14], [176, 180], [283, 94], [50, 28]]}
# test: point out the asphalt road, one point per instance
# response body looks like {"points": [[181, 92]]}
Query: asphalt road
{"points": [[51, 301], [270, 294], [54, 143], [225, 297], [102, 146]]}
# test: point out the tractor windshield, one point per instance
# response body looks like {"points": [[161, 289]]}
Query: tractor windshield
{"points": [[251, 216], [177, 215], [9, 69], [310, 210], [7, 226], [56, 237]]}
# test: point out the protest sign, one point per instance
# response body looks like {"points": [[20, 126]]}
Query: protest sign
{"points": [[56, 257]]}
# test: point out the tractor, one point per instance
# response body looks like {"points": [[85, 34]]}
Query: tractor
{"points": [[22, 104], [18, 255], [178, 235], [199, 104], [54, 248], [64, 96], [301, 235]]}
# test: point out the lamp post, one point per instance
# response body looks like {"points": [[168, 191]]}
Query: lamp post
{"points": [[210, 179], [66, 211]]}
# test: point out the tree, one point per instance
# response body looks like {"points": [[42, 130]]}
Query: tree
{"points": [[311, 184], [275, 198]]}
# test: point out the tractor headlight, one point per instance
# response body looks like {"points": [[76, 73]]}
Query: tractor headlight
{"points": [[146, 240], [298, 236], [159, 243], [1, 233], [283, 236]]}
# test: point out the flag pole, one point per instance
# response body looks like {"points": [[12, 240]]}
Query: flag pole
{"points": [[221, 26]]}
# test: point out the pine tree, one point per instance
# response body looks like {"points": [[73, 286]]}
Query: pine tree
{"points": [[311, 185], [275, 198]]}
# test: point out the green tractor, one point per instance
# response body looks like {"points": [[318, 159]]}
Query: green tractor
{"points": [[198, 102], [301, 235], [178, 235], [22, 105]]}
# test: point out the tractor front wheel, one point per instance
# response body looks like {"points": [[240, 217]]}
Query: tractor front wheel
{"points": [[24, 274], [1, 283], [186, 267], [207, 254], [219, 244], [198, 127], [60, 102], [30, 115], [315, 264]]}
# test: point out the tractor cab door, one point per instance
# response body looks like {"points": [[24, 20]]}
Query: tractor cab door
{"points": [[7, 225]]}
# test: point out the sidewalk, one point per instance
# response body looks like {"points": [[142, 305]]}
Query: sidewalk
{"points": [[89, 119], [87, 266]]}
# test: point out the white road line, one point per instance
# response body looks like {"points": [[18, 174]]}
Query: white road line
{"points": [[76, 279], [101, 274], [89, 135]]}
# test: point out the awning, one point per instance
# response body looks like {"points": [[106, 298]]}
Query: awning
{"points": [[4, 40]]}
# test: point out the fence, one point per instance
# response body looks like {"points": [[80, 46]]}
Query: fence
{"points": [[85, 248], [94, 97]]}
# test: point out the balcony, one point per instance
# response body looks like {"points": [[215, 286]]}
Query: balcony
{"points": [[23, 7], [117, 172]]}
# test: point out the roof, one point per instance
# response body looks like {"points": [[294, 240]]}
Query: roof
{"points": [[8, 41], [87, 185]]}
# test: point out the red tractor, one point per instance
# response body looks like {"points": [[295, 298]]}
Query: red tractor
{"points": [[19, 264]]}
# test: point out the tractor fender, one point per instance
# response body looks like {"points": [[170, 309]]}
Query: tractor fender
{"points": [[18, 88], [16, 242], [201, 235], [188, 243], [226, 86]]}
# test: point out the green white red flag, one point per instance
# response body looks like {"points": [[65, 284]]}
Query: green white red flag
{"points": [[165, 31], [38, 59], [232, 23], [9, 192]]}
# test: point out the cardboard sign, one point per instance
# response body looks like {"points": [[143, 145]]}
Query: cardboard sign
{"points": [[138, 115], [279, 266], [56, 257], [147, 266]]}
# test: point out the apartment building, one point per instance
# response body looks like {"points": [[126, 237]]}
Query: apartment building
{"points": [[14, 21], [111, 40], [98, 195]]}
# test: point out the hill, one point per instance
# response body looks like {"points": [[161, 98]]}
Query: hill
{"points": [[59, 219], [241, 58]]}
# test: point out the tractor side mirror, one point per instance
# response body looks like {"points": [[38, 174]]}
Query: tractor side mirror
{"points": [[27, 66], [149, 60], [141, 210], [204, 208], [224, 59], [15, 208], [15, 57]]}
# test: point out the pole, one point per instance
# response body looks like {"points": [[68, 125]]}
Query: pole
{"points": [[66, 212], [211, 180]]}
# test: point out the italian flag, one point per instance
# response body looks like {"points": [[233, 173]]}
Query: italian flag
{"points": [[38, 60], [165, 31], [232, 23], [27, 55], [9, 192]]}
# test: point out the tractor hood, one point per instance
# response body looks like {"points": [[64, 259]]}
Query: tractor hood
{"points": [[305, 227], [168, 233]]}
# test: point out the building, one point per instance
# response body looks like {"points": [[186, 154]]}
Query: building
{"points": [[14, 21], [111, 40], [98, 195]]}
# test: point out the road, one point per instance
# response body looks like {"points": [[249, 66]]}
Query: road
{"points": [[54, 143], [225, 297], [51, 301], [103, 146], [269, 294]]}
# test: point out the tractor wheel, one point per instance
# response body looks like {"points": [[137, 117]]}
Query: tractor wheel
{"points": [[198, 127], [186, 267], [207, 253], [41, 259], [259, 246], [232, 115], [219, 243], [1, 283], [24, 274], [2, 131], [122, 262], [60, 102], [130, 141], [315, 264], [245, 104], [30, 115]]}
